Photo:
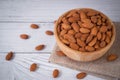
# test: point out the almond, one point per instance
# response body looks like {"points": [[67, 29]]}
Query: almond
{"points": [[109, 33], [74, 46], [80, 42], [112, 57], [63, 32], [84, 30], [55, 73], [102, 44], [69, 38], [94, 31], [97, 45], [103, 29], [78, 35], [40, 47], [89, 48], [81, 75], [24, 36], [94, 19], [75, 15], [99, 22], [73, 19], [64, 20], [34, 26], [9, 56], [84, 37], [99, 35], [75, 27], [87, 25], [60, 53], [48, 32], [65, 41], [66, 26], [107, 39], [33, 67], [92, 13], [92, 43], [86, 20], [89, 38], [72, 32], [83, 15], [103, 36], [82, 49]]}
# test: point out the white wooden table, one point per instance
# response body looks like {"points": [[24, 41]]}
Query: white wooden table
{"points": [[16, 17]]}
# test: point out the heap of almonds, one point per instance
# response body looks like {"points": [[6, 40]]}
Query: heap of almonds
{"points": [[85, 30]]}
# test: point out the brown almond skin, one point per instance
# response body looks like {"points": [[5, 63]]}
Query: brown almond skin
{"points": [[48, 32], [63, 32], [89, 38], [34, 26], [102, 44], [103, 29], [55, 73], [33, 67], [9, 56], [81, 75], [70, 38], [84, 30], [112, 57], [74, 46], [60, 53], [75, 26], [81, 43], [87, 25], [66, 26], [109, 33], [107, 39], [90, 48], [24, 36], [40, 47], [72, 32], [92, 43], [94, 31], [99, 35]]}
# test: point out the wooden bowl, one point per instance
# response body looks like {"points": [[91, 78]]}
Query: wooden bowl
{"points": [[78, 55]]}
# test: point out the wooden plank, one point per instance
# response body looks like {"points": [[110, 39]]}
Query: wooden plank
{"points": [[49, 10], [10, 40]]}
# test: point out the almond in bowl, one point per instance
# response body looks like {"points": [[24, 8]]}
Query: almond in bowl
{"points": [[84, 34]]}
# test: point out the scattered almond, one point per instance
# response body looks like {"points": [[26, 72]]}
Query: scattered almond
{"points": [[34, 26], [9, 56], [24, 36], [40, 47], [112, 57], [33, 67], [81, 75], [48, 32], [60, 53], [55, 73]]}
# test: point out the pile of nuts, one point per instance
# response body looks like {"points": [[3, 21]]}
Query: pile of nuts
{"points": [[85, 30]]}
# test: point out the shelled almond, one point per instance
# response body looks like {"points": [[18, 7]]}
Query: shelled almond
{"points": [[85, 30]]}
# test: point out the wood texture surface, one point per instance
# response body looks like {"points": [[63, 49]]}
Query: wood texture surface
{"points": [[16, 17]]}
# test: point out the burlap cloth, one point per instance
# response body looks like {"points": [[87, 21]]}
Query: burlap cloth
{"points": [[101, 67]]}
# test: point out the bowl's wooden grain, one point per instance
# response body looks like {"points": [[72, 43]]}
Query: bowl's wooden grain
{"points": [[78, 55]]}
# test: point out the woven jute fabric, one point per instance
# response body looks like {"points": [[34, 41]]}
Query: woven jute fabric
{"points": [[100, 67]]}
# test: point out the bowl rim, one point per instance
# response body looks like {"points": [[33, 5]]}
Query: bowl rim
{"points": [[102, 49]]}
